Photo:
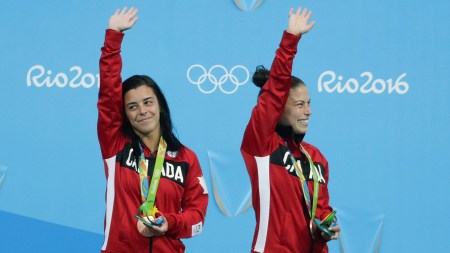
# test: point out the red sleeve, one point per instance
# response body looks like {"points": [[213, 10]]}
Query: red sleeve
{"points": [[271, 102], [110, 111], [189, 222]]}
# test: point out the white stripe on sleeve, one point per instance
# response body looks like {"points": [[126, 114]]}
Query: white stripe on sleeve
{"points": [[262, 164], [111, 164]]}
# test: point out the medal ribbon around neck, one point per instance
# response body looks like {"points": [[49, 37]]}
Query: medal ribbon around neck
{"points": [[306, 195], [148, 193]]}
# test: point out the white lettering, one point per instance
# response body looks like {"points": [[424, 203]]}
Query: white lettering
{"points": [[131, 161], [329, 83], [401, 87], [36, 76], [60, 80], [288, 167], [364, 88], [321, 83], [179, 175], [128, 162], [78, 71], [348, 85], [170, 172], [319, 173], [320, 177], [41, 69], [286, 155]]}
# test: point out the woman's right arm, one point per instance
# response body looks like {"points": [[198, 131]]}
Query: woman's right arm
{"points": [[274, 94], [110, 105]]}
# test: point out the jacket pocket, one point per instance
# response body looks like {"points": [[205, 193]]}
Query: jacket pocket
{"points": [[288, 236]]}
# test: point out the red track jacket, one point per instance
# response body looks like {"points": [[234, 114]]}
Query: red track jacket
{"points": [[282, 220], [182, 195]]}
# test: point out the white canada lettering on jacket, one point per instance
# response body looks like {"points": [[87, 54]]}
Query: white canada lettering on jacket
{"points": [[132, 162], [173, 173], [319, 173], [291, 168], [169, 170]]}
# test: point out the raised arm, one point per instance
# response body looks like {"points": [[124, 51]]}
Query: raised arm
{"points": [[109, 104], [274, 94]]}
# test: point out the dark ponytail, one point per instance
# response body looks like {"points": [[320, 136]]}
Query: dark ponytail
{"points": [[262, 74]]}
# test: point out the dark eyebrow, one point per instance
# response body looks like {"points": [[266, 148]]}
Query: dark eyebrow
{"points": [[145, 99], [302, 101], [131, 103]]}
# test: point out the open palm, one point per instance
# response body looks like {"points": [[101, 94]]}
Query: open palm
{"points": [[123, 19]]}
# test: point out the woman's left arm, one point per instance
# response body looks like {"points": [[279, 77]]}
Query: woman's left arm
{"points": [[189, 222]]}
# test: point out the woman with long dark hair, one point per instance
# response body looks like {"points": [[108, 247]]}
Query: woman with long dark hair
{"points": [[289, 177], [156, 193]]}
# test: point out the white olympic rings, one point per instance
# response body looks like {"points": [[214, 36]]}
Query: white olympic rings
{"points": [[217, 82]]}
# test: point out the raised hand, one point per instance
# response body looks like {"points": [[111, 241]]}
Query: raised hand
{"points": [[298, 21], [123, 19]]}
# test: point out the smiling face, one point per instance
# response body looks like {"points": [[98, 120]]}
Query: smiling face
{"points": [[143, 111], [297, 110]]}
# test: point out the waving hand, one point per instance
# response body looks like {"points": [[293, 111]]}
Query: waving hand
{"points": [[123, 19], [298, 21]]}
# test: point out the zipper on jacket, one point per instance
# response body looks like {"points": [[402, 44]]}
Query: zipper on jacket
{"points": [[151, 245]]}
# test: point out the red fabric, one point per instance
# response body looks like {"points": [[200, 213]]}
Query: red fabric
{"points": [[180, 197], [288, 223]]}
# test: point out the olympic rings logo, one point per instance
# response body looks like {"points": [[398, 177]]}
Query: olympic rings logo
{"points": [[217, 76]]}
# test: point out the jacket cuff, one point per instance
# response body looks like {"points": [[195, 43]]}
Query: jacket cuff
{"points": [[113, 39], [290, 41], [172, 230]]}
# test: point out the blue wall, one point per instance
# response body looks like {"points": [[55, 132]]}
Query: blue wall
{"points": [[377, 73]]}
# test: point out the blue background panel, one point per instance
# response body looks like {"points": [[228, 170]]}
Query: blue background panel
{"points": [[387, 147]]}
